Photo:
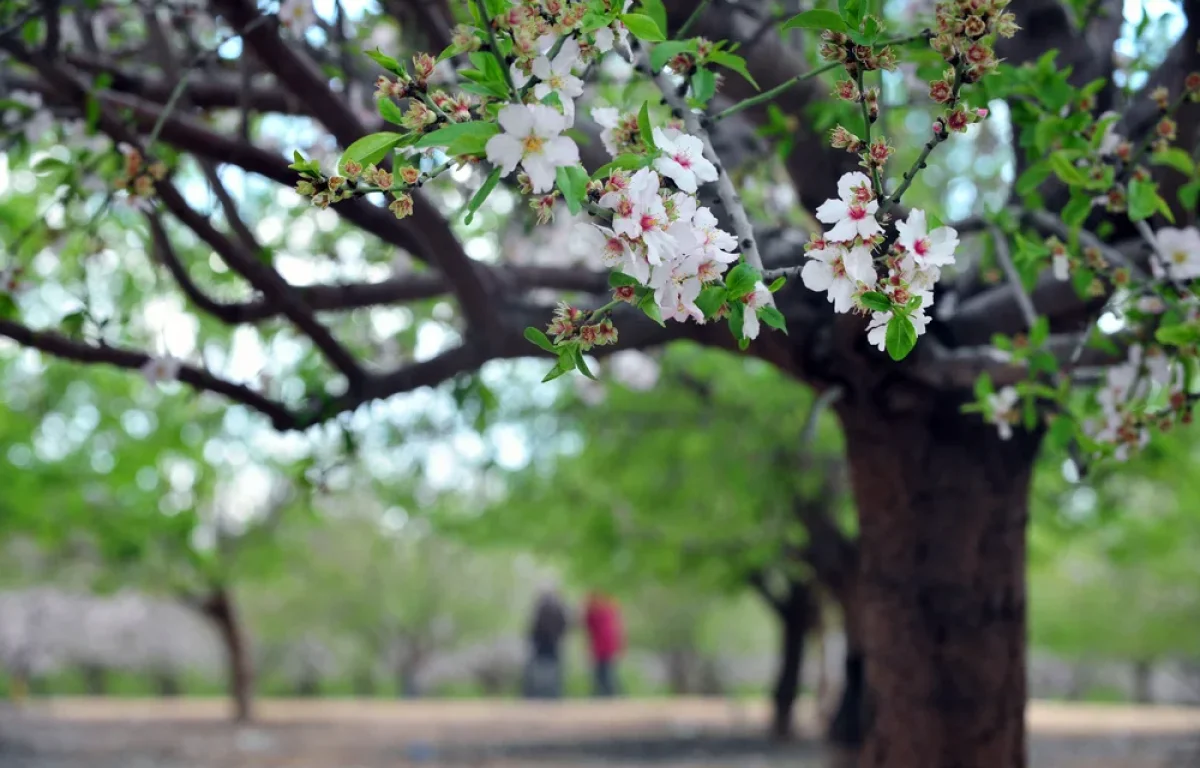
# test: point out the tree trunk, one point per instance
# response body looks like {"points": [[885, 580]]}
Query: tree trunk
{"points": [[942, 505], [95, 679], [166, 683], [796, 615], [219, 608], [1142, 689], [848, 727]]}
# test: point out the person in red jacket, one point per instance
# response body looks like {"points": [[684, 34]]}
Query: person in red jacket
{"points": [[607, 637]]}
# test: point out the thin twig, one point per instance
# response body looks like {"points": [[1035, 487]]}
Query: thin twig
{"points": [[1014, 278], [701, 7]]}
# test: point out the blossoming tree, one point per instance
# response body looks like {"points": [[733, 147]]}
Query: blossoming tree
{"points": [[950, 378]]}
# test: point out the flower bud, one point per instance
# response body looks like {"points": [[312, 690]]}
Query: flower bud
{"points": [[940, 91], [1161, 97], [353, 169], [465, 39], [402, 206], [410, 175]]}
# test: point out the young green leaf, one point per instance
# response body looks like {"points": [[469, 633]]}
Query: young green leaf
{"points": [[741, 280], [1176, 158], [704, 85], [775, 286], [656, 11], [644, 127], [626, 162], [667, 50], [537, 337], [650, 307], [621, 280], [581, 364], [372, 148], [877, 301], [565, 364], [711, 299], [816, 19], [901, 337], [733, 62], [389, 111], [488, 185], [773, 317], [643, 27], [572, 182], [387, 62], [1142, 199], [449, 134]]}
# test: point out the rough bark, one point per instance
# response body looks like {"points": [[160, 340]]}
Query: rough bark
{"points": [[219, 608], [943, 509]]}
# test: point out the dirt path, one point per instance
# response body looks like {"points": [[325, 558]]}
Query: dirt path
{"points": [[665, 733]]}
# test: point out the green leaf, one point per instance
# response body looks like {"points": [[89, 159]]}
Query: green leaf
{"points": [[1065, 169], [711, 299], [455, 132], [644, 127], [656, 11], [372, 148], [387, 62], [488, 185], [852, 11], [665, 51], [983, 386], [1142, 199], [8, 307], [626, 162], [1189, 195], [1175, 158], [537, 337], [572, 182], [704, 85], [1033, 177], [901, 337], [733, 62], [773, 317], [643, 27], [1040, 331], [565, 364], [621, 280], [389, 111], [1177, 335], [581, 364], [741, 280], [775, 286], [877, 301], [1077, 209], [650, 307], [72, 324], [816, 19]]}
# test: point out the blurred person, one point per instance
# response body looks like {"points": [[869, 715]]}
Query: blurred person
{"points": [[607, 639], [544, 678]]}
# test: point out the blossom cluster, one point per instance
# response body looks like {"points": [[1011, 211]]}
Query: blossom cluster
{"points": [[1123, 416], [843, 261]]}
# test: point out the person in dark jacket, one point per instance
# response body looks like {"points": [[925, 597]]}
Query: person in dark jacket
{"points": [[544, 677]]}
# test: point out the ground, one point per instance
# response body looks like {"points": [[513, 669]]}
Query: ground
{"points": [[674, 733]]}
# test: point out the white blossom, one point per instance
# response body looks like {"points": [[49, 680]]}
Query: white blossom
{"points": [[1180, 248], [928, 249], [556, 77], [682, 160], [839, 271], [1001, 410], [1060, 264], [607, 118], [297, 16], [877, 328], [853, 213], [760, 298], [531, 138]]}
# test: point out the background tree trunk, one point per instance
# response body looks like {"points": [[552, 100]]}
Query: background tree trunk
{"points": [[848, 726], [796, 618], [1143, 692], [95, 679], [942, 505], [219, 608], [166, 683]]}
